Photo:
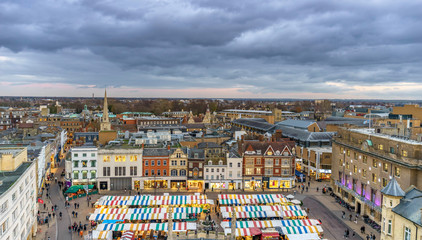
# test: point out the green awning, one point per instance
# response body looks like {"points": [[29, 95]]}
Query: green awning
{"points": [[76, 188]]}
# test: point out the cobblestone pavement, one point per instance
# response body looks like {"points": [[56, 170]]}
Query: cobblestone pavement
{"points": [[322, 206]]}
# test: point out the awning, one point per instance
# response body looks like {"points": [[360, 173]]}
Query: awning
{"points": [[242, 232], [253, 208], [302, 230], [259, 214], [76, 188], [300, 213], [186, 210], [308, 236], [102, 235], [128, 235], [177, 226], [271, 223], [142, 216]]}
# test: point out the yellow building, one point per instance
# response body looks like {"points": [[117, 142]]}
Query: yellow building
{"points": [[414, 110], [401, 212], [178, 168], [12, 158]]}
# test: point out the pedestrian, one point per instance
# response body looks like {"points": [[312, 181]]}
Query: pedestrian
{"points": [[350, 217], [70, 229], [76, 214], [356, 220], [54, 214], [344, 214], [368, 237], [52, 208], [81, 233], [373, 237], [44, 206], [309, 183], [345, 234], [78, 205], [75, 205], [73, 213], [353, 234], [317, 189], [306, 189], [362, 229]]}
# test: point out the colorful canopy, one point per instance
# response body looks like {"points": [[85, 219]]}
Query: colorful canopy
{"points": [[142, 216], [260, 214], [128, 235], [302, 230], [242, 232], [187, 210], [300, 213], [150, 202], [253, 208], [102, 235], [231, 199], [172, 198], [177, 226], [271, 223], [307, 236], [76, 188]]}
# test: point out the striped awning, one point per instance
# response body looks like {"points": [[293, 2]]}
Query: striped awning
{"points": [[302, 230], [254, 208], [230, 199], [102, 217], [243, 232], [177, 226], [102, 235], [128, 235], [272, 223], [299, 213], [260, 214]]}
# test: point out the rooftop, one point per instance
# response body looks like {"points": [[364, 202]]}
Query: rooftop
{"points": [[9, 178], [296, 123], [304, 135], [393, 189], [409, 207], [13, 151], [371, 132], [246, 111]]}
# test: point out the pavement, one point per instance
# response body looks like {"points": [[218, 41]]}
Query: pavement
{"points": [[322, 207]]}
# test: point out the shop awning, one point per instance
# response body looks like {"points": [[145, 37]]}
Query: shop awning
{"points": [[230, 199], [260, 214], [173, 198], [102, 235], [187, 210], [102, 217], [76, 188], [253, 208], [128, 235], [302, 229], [300, 213], [142, 216]]}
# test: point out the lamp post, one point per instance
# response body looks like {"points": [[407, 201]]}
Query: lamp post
{"points": [[233, 227], [170, 225]]}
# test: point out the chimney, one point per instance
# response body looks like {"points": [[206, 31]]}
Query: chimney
{"points": [[142, 146], [278, 134], [261, 138], [168, 147]]}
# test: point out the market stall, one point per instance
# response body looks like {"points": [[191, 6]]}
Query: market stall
{"points": [[302, 230], [300, 214], [187, 210], [77, 191], [244, 233], [260, 214], [308, 236], [177, 226], [271, 223], [102, 235], [242, 199], [137, 217], [260, 208]]}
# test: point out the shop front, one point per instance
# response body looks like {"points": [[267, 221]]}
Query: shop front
{"points": [[148, 184], [195, 184], [252, 184], [324, 174], [218, 185], [178, 184], [235, 184], [280, 183]]}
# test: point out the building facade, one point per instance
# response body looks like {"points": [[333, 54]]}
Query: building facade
{"points": [[268, 164], [18, 195], [119, 168], [156, 168], [82, 167], [314, 162], [196, 161], [363, 163], [178, 167]]}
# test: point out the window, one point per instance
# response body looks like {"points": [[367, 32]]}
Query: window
{"points": [[381, 147], [93, 174], [92, 154], [158, 172], [84, 163], [364, 172], [347, 165], [222, 170], [258, 161], [106, 171], [374, 163], [120, 171], [182, 172], [84, 174], [152, 172], [76, 164], [206, 170], [191, 165], [164, 162], [397, 171], [75, 174], [120, 158], [407, 233], [383, 225], [164, 172], [385, 167], [106, 159], [152, 163], [133, 158], [146, 172], [3, 227], [230, 173], [158, 163], [173, 173], [355, 155], [212, 169], [83, 154], [348, 153], [238, 164], [183, 163], [391, 150], [146, 162], [389, 226], [384, 182], [258, 171], [133, 171], [355, 169], [374, 177], [277, 162], [93, 163], [173, 162], [249, 171], [217, 170], [365, 159], [404, 153], [75, 155]]}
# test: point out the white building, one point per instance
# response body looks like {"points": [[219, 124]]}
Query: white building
{"points": [[83, 165], [234, 170], [18, 195], [120, 168], [215, 175]]}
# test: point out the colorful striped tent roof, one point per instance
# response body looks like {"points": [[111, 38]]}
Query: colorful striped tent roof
{"points": [[271, 223], [150, 197], [187, 210], [253, 208], [258, 214], [102, 235], [177, 226], [142, 216], [299, 213], [302, 230], [230, 199], [151, 202], [242, 232]]}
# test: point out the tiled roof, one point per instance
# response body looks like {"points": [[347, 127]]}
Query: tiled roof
{"points": [[257, 123], [151, 152], [263, 146], [304, 135], [208, 145], [410, 206], [199, 152], [393, 189], [296, 123]]}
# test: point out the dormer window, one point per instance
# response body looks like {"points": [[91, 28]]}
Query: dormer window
{"points": [[220, 162], [196, 155], [286, 153], [258, 151], [209, 162]]}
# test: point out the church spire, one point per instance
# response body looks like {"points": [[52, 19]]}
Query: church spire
{"points": [[105, 122]]}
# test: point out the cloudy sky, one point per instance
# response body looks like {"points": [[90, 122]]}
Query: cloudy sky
{"points": [[212, 48]]}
